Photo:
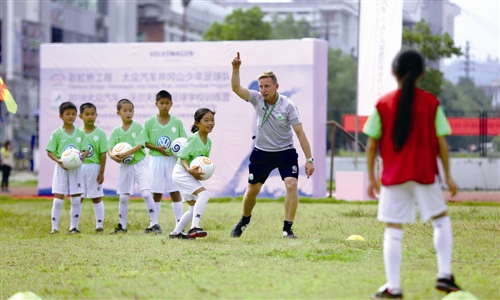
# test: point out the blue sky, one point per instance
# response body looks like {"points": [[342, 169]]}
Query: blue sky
{"points": [[478, 23]]}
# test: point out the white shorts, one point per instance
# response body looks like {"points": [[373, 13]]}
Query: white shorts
{"points": [[67, 182], [130, 174], [160, 174], [92, 189], [397, 202], [186, 183]]}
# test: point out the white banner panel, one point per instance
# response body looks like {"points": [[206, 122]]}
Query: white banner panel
{"points": [[380, 35], [197, 74]]}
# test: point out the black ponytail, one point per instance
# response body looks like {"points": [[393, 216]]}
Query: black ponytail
{"points": [[407, 66]]}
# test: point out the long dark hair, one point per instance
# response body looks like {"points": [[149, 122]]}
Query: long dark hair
{"points": [[407, 66], [200, 112]]}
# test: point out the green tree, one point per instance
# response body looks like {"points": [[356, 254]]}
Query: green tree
{"points": [[288, 28], [433, 48], [463, 100], [240, 25], [342, 70]]}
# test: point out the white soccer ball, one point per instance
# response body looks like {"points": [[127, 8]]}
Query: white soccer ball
{"points": [[123, 147], [71, 159], [206, 165], [177, 145]]}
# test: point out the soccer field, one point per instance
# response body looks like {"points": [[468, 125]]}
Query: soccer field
{"points": [[320, 264]]}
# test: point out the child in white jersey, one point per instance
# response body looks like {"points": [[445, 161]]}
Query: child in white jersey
{"points": [[64, 180], [161, 130], [134, 172], [188, 179], [95, 162]]}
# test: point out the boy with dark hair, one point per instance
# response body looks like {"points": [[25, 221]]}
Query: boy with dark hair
{"points": [[161, 130], [66, 137], [136, 171], [94, 163]]}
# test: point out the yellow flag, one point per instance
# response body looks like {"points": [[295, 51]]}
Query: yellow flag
{"points": [[6, 96]]}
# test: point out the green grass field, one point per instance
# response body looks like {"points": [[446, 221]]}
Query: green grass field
{"points": [[320, 264]]}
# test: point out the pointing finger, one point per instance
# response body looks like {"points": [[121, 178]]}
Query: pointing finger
{"points": [[237, 55]]}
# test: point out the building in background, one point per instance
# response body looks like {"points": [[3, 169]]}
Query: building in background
{"points": [[175, 21], [25, 25], [440, 14], [334, 21]]}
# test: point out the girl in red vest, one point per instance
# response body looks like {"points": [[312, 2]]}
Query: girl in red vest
{"points": [[408, 127]]}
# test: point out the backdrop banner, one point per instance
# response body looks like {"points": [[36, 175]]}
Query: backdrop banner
{"points": [[197, 74], [380, 32]]}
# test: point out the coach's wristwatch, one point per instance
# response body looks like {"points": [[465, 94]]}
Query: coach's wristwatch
{"points": [[310, 159]]}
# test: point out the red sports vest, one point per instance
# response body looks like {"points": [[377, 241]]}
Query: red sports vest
{"points": [[417, 160]]}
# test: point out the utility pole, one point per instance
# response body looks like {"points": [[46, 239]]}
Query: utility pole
{"points": [[185, 4], [468, 63]]}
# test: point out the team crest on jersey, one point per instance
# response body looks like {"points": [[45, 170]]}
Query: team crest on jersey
{"points": [[69, 147], [78, 139], [96, 138], [91, 151], [174, 129], [133, 135], [163, 141]]}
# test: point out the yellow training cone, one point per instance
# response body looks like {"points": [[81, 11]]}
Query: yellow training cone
{"points": [[355, 237]]}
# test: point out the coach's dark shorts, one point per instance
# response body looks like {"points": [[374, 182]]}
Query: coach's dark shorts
{"points": [[263, 162]]}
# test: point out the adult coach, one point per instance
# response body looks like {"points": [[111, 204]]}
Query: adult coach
{"points": [[276, 117]]}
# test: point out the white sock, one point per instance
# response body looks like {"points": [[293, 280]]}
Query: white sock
{"points": [[123, 209], [76, 210], [158, 209], [184, 221], [199, 207], [392, 256], [99, 214], [443, 243], [150, 206], [56, 212], [178, 209]]}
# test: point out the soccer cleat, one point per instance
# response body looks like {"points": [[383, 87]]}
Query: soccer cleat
{"points": [[54, 231], [386, 294], [119, 229], [99, 230], [181, 235], [289, 234], [156, 229], [74, 231], [447, 285], [196, 232], [238, 229]]}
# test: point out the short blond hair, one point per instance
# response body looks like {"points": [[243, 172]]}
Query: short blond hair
{"points": [[268, 74]]}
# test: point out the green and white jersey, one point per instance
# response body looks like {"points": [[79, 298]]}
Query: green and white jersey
{"points": [[134, 136], [163, 135], [60, 141], [194, 148], [98, 144]]}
